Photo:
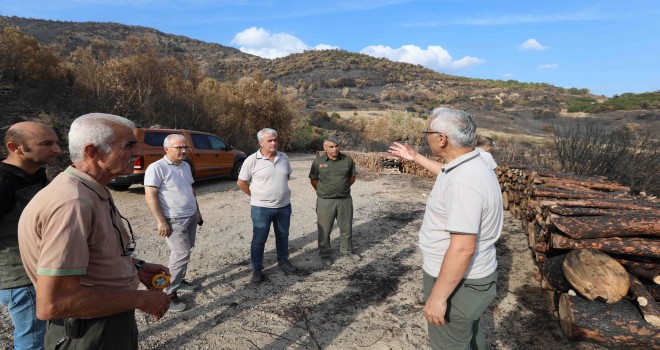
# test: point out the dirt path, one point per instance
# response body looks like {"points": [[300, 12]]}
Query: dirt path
{"points": [[374, 304]]}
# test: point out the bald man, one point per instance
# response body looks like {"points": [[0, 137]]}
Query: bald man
{"points": [[29, 146]]}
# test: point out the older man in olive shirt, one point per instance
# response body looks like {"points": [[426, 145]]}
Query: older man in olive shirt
{"points": [[332, 175]]}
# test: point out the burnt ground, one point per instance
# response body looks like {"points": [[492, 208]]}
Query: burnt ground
{"points": [[373, 304]]}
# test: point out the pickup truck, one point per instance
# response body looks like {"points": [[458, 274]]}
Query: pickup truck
{"points": [[209, 156]]}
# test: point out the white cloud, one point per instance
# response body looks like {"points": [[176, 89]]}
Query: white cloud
{"points": [[532, 44], [260, 42], [325, 47], [548, 66], [434, 57], [507, 75]]}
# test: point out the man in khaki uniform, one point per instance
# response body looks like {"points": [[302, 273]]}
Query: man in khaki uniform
{"points": [[332, 176]]}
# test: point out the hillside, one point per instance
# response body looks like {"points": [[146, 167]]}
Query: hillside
{"points": [[336, 80]]}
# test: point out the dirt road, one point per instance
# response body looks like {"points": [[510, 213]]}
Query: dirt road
{"points": [[373, 304]]}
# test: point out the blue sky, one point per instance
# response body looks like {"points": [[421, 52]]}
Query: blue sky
{"points": [[609, 47]]}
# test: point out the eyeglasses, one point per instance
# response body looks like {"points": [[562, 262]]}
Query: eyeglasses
{"points": [[433, 132], [130, 246], [181, 148]]}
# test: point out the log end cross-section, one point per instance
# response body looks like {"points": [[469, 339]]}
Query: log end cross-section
{"points": [[596, 275]]}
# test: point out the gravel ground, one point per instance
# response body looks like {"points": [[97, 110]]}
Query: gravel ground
{"points": [[373, 304]]}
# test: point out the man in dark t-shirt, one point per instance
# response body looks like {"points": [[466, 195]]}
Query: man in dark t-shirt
{"points": [[29, 146]]}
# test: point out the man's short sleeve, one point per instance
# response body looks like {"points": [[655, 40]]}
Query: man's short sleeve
{"points": [[7, 199], [152, 177], [64, 243], [464, 207], [353, 169], [289, 169], [246, 169], [314, 171]]}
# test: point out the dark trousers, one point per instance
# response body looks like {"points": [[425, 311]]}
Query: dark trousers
{"points": [[327, 210], [464, 308], [118, 331]]}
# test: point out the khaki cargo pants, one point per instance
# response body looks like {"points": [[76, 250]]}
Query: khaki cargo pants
{"points": [[464, 308]]}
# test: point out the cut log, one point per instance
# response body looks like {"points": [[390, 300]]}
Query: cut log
{"points": [[594, 185], [647, 305], [618, 324], [542, 191], [624, 246], [654, 290], [579, 211], [553, 274], [505, 200], [634, 224], [596, 276], [605, 203], [650, 274]]}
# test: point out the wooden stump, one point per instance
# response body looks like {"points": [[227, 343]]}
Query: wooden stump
{"points": [[616, 324], [596, 276]]}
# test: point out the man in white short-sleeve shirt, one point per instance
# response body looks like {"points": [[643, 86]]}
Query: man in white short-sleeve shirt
{"points": [[462, 222], [485, 145], [171, 199], [264, 177]]}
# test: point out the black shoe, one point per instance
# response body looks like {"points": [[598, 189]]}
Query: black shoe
{"points": [[286, 266], [326, 261], [257, 276], [176, 305], [353, 257], [187, 287]]}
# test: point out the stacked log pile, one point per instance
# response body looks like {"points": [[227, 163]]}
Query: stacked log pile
{"points": [[384, 162], [596, 245]]}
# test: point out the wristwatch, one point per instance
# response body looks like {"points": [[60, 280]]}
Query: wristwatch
{"points": [[139, 264]]}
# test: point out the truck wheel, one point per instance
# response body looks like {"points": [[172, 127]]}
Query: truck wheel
{"points": [[236, 170]]}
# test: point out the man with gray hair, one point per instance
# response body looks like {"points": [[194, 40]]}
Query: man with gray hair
{"points": [[462, 222], [332, 175], [265, 178], [172, 201], [77, 251]]}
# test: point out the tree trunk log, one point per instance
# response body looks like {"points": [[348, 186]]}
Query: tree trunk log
{"points": [[617, 324], [553, 274], [651, 274], [605, 203], [635, 224], [624, 246], [596, 276], [654, 290], [505, 200], [579, 211], [542, 191], [647, 305], [594, 185]]}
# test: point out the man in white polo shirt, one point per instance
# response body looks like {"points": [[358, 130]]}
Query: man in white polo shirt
{"points": [[172, 201], [265, 178], [462, 222]]}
